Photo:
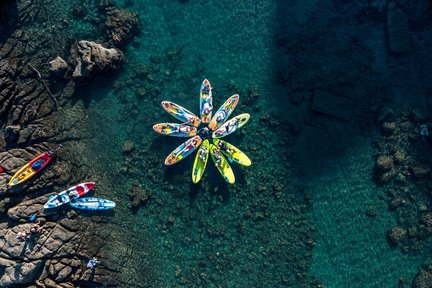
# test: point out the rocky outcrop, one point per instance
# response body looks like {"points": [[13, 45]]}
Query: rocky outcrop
{"points": [[120, 24], [93, 58], [423, 279], [60, 68]]}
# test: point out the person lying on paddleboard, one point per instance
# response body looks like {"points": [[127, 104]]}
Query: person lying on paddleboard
{"points": [[203, 153], [218, 158], [207, 107], [224, 147]]}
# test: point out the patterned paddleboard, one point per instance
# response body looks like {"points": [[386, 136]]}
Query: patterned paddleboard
{"points": [[231, 126], [232, 152], [181, 113], [224, 112], [222, 164], [183, 150], [200, 161], [174, 129], [206, 101]]}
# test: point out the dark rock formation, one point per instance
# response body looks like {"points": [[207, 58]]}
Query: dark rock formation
{"points": [[397, 234], [423, 279], [93, 58]]}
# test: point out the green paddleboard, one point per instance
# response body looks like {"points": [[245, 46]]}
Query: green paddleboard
{"points": [[200, 164], [223, 167]]}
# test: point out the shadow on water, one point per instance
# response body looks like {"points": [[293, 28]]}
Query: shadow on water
{"points": [[8, 19], [327, 48]]}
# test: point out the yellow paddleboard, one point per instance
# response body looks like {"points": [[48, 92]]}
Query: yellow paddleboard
{"points": [[200, 163], [232, 125], [222, 164], [223, 112], [233, 152]]}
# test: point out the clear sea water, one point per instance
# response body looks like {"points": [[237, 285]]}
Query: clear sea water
{"points": [[248, 235]]}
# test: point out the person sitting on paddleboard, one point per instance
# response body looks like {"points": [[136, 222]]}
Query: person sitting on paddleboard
{"points": [[183, 129], [220, 116], [205, 90], [73, 194], [218, 158], [224, 147], [207, 108]]}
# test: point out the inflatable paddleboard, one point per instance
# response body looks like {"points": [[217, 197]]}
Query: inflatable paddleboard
{"points": [[232, 152], [200, 161], [65, 196], [224, 112], [231, 125], [206, 101], [90, 203], [181, 113], [174, 129], [222, 164], [183, 150]]}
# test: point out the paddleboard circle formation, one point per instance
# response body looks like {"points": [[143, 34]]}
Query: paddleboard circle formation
{"points": [[207, 138]]}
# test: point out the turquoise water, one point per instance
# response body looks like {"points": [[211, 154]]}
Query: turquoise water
{"points": [[299, 212]]}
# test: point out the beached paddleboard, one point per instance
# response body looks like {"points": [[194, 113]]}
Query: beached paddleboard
{"points": [[231, 125], [34, 166], [90, 203], [233, 152], [206, 101], [200, 161], [183, 150], [65, 196], [224, 112], [223, 166], [174, 129], [181, 113]]}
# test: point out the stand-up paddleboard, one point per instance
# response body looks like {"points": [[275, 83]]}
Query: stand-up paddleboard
{"points": [[174, 129], [90, 203], [223, 112], [206, 101], [222, 164], [231, 125], [200, 161], [183, 150], [181, 113], [34, 166], [65, 196], [232, 152]]}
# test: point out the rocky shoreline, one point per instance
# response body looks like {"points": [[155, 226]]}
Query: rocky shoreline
{"points": [[34, 97]]}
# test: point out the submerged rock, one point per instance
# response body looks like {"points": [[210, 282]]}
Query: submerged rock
{"points": [[11, 134], [397, 234], [93, 58], [423, 279], [120, 24], [384, 163]]}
